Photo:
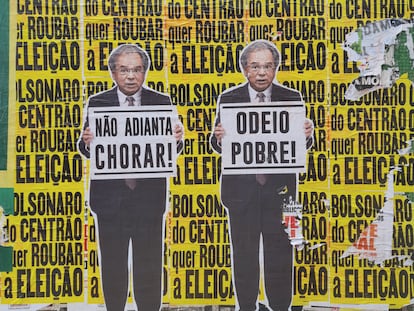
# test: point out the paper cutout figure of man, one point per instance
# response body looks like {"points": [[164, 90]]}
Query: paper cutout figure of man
{"points": [[129, 212], [254, 202]]}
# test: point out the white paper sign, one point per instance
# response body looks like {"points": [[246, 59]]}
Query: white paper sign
{"points": [[133, 142], [263, 138]]}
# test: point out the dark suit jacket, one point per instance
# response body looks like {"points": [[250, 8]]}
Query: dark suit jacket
{"points": [[237, 189], [107, 194]]}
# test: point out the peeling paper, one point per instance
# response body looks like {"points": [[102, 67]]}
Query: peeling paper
{"points": [[292, 221], [375, 242], [384, 51]]}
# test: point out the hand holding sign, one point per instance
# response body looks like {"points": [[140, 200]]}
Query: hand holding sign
{"points": [[178, 131], [219, 132], [87, 136]]}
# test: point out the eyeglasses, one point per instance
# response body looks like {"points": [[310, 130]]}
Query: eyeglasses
{"points": [[266, 68], [135, 71]]}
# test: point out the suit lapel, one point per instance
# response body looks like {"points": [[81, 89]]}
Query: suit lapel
{"points": [[242, 96], [113, 97], [274, 93]]}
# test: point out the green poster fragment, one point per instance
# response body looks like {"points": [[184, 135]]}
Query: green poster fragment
{"points": [[6, 200], [6, 255]]}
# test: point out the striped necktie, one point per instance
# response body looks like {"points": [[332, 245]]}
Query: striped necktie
{"points": [[261, 96], [130, 100], [261, 178], [131, 183]]}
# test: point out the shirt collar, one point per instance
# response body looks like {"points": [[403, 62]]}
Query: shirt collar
{"points": [[122, 98], [253, 94]]}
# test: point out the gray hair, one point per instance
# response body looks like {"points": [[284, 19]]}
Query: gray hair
{"points": [[259, 45], [126, 49]]}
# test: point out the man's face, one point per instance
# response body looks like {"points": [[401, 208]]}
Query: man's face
{"points": [[129, 73], [260, 69]]}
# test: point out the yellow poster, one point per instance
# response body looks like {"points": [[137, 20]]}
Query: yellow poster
{"points": [[206, 155]]}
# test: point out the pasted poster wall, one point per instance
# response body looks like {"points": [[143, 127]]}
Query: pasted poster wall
{"points": [[350, 220]]}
